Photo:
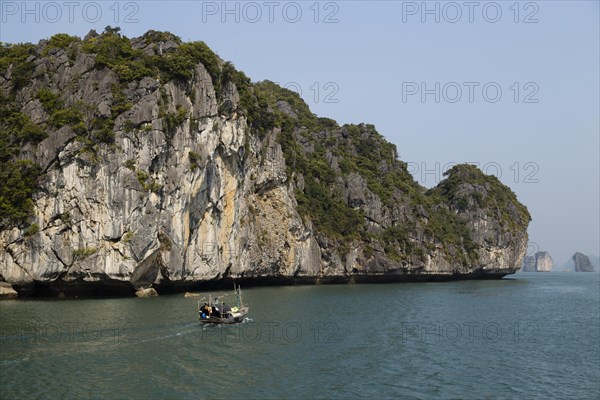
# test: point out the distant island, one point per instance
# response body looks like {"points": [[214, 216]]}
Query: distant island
{"points": [[539, 262], [582, 263], [569, 265], [130, 163]]}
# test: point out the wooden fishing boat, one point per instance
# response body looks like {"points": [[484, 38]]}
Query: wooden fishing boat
{"points": [[216, 311]]}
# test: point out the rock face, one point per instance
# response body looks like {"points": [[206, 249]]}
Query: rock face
{"points": [[528, 264], [569, 265], [539, 262], [149, 292], [582, 263], [7, 292], [159, 164], [543, 261]]}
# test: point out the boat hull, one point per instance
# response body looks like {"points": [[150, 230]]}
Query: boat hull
{"points": [[236, 318]]}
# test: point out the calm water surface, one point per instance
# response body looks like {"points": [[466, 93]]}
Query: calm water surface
{"points": [[528, 336]]}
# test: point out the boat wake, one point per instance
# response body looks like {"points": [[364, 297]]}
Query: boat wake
{"points": [[6, 363], [186, 329]]}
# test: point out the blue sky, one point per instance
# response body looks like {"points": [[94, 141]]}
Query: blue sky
{"points": [[512, 86]]}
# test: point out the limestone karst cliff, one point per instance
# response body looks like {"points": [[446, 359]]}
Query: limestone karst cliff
{"points": [[148, 161], [539, 262], [528, 264], [582, 263]]}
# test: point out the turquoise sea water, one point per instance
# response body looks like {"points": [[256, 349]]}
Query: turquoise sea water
{"points": [[530, 335]]}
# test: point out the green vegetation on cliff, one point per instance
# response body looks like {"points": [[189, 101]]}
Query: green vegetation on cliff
{"points": [[116, 52], [18, 178], [18, 182], [466, 188], [16, 57]]}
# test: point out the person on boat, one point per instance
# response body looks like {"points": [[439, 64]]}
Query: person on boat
{"points": [[205, 311], [226, 310], [215, 310]]}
